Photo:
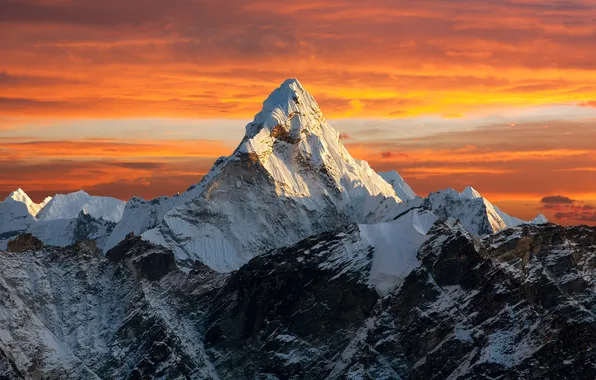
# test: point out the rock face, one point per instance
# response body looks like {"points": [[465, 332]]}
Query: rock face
{"points": [[144, 259], [24, 243], [518, 304]]}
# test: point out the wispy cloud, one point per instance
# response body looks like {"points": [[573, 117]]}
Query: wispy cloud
{"points": [[149, 58]]}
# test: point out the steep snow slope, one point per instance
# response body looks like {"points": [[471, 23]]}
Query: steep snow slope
{"points": [[474, 212], [402, 189], [289, 178], [14, 219], [64, 232], [68, 206], [139, 216], [396, 244]]}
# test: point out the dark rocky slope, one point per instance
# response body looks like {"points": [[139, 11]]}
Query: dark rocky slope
{"points": [[517, 305]]}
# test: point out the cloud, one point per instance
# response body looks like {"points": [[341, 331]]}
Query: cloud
{"points": [[557, 199], [146, 57], [114, 167], [394, 155], [118, 179], [112, 148], [344, 136], [576, 216], [590, 103]]}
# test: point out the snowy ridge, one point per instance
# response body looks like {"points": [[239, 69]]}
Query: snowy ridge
{"points": [[402, 189], [139, 216], [289, 178], [61, 221], [68, 206], [474, 212]]}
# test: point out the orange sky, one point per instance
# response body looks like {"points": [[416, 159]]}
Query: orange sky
{"points": [[140, 96]]}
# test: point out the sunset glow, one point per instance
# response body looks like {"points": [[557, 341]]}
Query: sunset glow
{"points": [[139, 97]]}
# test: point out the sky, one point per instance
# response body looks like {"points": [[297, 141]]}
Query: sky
{"points": [[139, 97]]}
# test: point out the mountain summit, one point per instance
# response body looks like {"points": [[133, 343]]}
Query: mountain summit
{"points": [[289, 178]]}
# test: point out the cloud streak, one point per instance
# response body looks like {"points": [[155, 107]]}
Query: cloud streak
{"points": [[147, 58]]}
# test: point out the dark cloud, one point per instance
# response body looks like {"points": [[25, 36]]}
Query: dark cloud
{"points": [[393, 155], [557, 199], [11, 81], [137, 165], [344, 136], [591, 103], [576, 217]]}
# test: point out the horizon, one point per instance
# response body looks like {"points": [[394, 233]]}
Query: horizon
{"points": [[121, 103]]}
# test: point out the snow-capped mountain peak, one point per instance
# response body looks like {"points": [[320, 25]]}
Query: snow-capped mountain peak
{"points": [[289, 178], [539, 219], [68, 206], [287, 101], [19, 195], [402, 189], [470, 193], [473, 211]]}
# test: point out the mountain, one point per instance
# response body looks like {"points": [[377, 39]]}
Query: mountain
{"points": [[15, 216], [61, 220], [33, 208], [288, 260], [68, 206], [65, 232], [289, 178], [474, 212], [512, 305], [139, 216], [402, 189]]}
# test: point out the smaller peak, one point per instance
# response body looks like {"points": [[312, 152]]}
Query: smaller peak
{"points": [[74, 195], [539, 219], [449, 192], [292, 83], [470, 193], [19, 195], [18, 191], [289, 92], [286, 101]]}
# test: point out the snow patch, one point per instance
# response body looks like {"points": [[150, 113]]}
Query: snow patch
{"points": [[396, 245]]}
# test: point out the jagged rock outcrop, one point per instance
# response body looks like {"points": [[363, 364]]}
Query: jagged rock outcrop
{"points": [[24, 243], [518, 304]]}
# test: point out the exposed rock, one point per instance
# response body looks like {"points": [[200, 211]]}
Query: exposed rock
{"points": [[145, 259], [516, 305], [24, 243]]}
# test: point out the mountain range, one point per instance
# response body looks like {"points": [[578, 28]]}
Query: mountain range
{"points": [[292, 259]]}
